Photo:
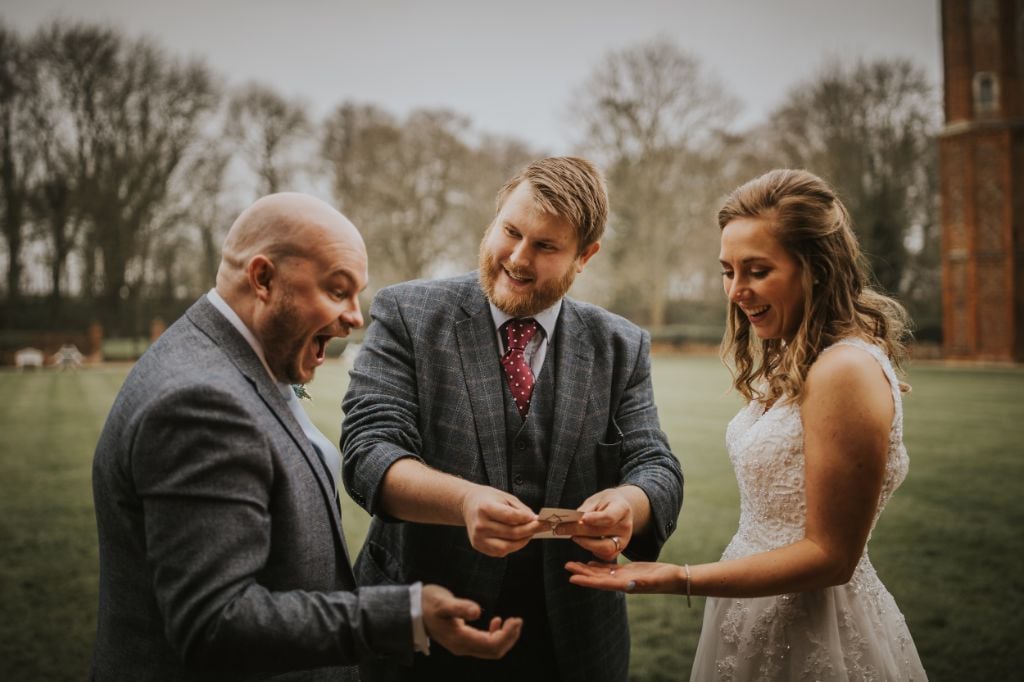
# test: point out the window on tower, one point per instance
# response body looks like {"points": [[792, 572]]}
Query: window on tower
{"points": [[986, 93]]}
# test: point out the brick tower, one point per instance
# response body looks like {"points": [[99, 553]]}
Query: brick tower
{"points": [[982, 179]]}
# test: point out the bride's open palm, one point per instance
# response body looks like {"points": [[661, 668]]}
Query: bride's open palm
{"points": [[638, 576]]}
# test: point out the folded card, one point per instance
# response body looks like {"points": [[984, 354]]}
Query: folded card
{"points": [[552, 516]]}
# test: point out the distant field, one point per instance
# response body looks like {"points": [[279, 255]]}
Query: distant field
{"points": [[949, 546]]}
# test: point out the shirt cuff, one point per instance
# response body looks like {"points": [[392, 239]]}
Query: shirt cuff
{"points": [[420, 641]]}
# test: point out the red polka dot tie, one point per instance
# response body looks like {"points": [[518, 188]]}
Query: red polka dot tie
{"points": [[517, 333]]}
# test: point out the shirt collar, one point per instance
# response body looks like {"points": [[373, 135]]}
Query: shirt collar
{"points": [[546, 318], [229, 313]]}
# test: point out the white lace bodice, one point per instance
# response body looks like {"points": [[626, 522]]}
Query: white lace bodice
{"points": [[767, 452], [852, 632]]}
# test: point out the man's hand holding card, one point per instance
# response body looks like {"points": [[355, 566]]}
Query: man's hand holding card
{"points": [[603, 524]]}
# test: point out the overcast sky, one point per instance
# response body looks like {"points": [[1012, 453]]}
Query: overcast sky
{"points": [[510, 66]]}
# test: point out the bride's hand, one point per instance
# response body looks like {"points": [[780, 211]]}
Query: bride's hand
{"points": [[638, 576]]}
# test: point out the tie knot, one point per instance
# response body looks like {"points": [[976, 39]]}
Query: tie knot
{"points": [[518, 333]]}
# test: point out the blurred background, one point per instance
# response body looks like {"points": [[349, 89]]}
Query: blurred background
{"points": [[133, 132]]}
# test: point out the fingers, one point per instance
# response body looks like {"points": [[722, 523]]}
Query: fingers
{"points": [[590, 568], [635, 576], [580, 528], [606, 526], [498, 640], [439, 602], [606, 584], [498, 540], [613, 511], [608, 516], [497, 523], [604, 548], [445, 616], [508, 512], [490, 527], [496, 505], [496, 547], [599, 576], [458, 608], [463, 640]]}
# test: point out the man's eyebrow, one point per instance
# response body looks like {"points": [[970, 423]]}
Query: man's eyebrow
{"points": [[347, 274]]}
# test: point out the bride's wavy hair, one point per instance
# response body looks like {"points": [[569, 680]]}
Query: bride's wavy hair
{"points": [[814, 227]]}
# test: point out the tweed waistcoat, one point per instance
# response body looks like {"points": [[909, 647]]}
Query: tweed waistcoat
{"points": [[529, 440], [528, 443]]}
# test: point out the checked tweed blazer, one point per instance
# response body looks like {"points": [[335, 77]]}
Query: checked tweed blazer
{"points": [[427, 383], [221, 547]]}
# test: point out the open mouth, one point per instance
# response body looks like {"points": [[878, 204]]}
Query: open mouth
{"points": [[519, 278], [757, 314], [321, 346]]}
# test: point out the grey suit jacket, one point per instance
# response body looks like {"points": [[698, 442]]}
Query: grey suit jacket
{"points": [[221, 548], [428, 384]]}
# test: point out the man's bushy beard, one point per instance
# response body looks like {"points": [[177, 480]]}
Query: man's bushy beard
{"points": [[281, 347], [528, 303]]}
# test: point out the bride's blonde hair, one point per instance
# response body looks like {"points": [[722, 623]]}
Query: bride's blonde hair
{"points": [[813, 226]]}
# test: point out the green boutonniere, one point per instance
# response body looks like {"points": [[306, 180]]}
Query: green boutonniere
{"points": [[301, 392]]}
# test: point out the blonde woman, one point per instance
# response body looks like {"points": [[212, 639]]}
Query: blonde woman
{"points": [[818, 451]]}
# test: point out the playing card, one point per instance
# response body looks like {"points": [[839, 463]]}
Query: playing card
{"points": [[552, 516]]}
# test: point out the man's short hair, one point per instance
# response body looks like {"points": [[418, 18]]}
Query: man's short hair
{"points": [[569, 187]]}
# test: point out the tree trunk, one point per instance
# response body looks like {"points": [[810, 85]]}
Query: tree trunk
{"points": [[13, 227]]}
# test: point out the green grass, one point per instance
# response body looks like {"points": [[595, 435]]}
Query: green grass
{"points": [[950, 545]]}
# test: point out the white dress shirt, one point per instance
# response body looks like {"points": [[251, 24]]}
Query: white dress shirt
{"points": [[537, 349]]}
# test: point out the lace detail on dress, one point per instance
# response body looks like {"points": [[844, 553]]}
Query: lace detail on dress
{"points": [[849, 632]]}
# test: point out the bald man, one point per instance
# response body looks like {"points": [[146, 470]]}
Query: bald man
{"points": [[222, 555]]}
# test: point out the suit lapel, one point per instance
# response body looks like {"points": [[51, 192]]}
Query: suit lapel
{"points": [[574, 358], [478, 352], [207, 318]]}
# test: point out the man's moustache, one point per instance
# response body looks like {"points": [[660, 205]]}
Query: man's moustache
{"points": [[517, 273]]}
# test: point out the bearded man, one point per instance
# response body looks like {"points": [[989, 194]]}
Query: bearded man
{"points": [[479, 400], [222, 555]]}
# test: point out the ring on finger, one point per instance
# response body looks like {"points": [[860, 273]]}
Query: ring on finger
{"points": [[630, 586], [617, 542]]}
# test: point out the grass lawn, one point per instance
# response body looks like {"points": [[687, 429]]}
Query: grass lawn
{"points": [[950, 545]]}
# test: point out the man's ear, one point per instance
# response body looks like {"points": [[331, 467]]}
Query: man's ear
{"points": [[260, 273], [587, 254]]}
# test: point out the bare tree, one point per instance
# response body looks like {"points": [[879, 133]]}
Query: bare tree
{"points": [[650, 115], [137, 114], [267, 129], [58, 172], [209, 210], [16, 152], [870, 130], [399, 182]]}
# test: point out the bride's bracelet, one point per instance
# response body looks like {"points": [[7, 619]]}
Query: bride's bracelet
{"points": [[686, 569]]}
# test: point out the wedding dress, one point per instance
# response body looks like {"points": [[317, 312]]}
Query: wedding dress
{"points": [[847, 632]]}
